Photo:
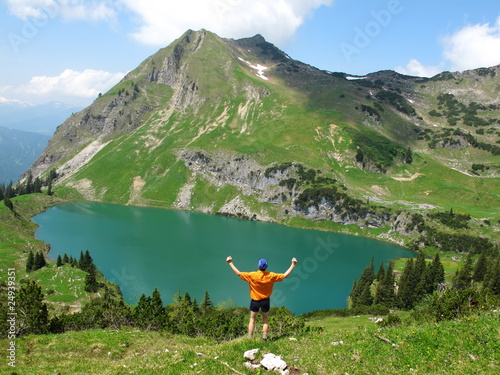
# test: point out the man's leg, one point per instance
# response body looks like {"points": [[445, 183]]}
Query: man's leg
{"points": [[251, 323], [265, 324]]}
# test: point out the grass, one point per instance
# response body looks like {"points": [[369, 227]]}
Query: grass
{"points": [[346, 345]]}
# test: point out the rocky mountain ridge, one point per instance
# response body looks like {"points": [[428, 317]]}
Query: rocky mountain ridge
{"points": [[238, 127]]}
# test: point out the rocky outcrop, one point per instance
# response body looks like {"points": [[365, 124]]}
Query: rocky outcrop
{"points": [[283, 185]]}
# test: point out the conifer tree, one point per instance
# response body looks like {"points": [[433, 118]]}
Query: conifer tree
{"points": [[492, 278], [91, 284], [366, 298], [381, 272], [65, 259], [187, 299], [406, 286], [30, 263], [206, 304], [143, 313], [385, 294], [158, 315], [420, 278], [437, 271], [463, 276], [39, 261], [366, 279], [59, 261], [480, 268], [354, 293], [32, 312]]}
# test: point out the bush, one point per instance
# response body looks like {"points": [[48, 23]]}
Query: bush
{"points": [[391, 320], [283, 322], [450, 304], [222, 324]]}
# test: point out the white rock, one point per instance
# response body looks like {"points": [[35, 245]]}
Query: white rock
{"points": [[250, 354], [251, 365], [273, 362]]}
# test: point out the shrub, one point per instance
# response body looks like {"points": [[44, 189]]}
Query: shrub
{"points": [[283, 322]]}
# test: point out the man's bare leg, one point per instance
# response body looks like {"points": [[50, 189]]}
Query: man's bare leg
{"points": [[265, 325], [251, 323]]}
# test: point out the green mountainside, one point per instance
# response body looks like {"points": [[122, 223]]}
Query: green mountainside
{"points": [[237, 127]]}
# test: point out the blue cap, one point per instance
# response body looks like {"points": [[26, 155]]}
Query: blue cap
{"points": [[262, 264]]}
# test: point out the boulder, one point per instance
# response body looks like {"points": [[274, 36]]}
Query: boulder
{"points": [[273, 362]]}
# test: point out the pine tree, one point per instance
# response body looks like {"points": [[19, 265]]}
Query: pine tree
{"points": [[366, 298], [65, 259], [91, 284], [480, 268], [437, 272], [8, 203], [366, 279], [142, 313], [463, 276], [49, 189], [407, 286], [408, 156], [206, 304], [420, 277], [158, 315], [39, 261], [30, 263], [385, 294], [492, 278], [354, 294], [32, 312], [381, 272], [59, 261]]}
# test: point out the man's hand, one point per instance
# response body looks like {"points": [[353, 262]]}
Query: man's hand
{"points": [[229, 259], [294, 261]]}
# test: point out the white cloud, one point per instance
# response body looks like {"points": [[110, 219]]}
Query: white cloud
{"points": [[13, 102], [85, 84], [161, 21], [416, 68], [88, 10], [473, 46]]}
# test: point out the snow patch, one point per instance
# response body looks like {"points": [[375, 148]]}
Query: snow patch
{"points": [[260, 69], [351, 78]]}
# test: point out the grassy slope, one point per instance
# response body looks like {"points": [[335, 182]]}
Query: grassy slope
{"points": [[63, 286], [468, 346]]}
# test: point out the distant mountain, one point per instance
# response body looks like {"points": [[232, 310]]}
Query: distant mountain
{"points": [[43, 118], [238, 127], [18, 150]]}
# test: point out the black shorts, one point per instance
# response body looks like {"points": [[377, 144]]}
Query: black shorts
{"points": [[263, 304]]}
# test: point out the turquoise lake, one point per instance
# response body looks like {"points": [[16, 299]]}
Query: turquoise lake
{"points": [[145, 248]]}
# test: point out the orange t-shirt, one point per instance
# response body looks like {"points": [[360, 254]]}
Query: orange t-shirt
{"points": [[261, 283]]}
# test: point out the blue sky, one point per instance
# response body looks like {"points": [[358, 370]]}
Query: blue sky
{"points": [[70, 50]]}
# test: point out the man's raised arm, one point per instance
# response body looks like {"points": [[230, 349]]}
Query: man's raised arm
{"points": [[229, 260], [289, 271]]}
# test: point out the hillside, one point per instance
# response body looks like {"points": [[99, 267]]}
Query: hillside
{"points": [[345, 346], [238, 127]]}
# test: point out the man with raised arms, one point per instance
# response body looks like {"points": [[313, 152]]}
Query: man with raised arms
{"points": [[261, 284]]}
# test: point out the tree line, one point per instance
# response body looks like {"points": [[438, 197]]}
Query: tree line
{"points": [[108, 309], [421, 279], [30, 185]]}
